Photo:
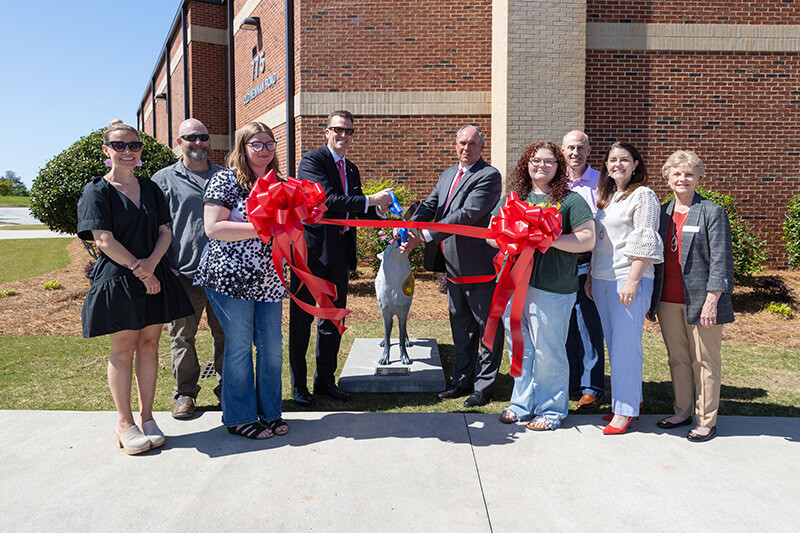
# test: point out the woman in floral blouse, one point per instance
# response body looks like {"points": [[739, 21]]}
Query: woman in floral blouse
{"points": [[244, 290]]}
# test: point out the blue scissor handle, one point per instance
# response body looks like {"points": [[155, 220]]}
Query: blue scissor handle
{"points": [[396, 209], [403, 234]]}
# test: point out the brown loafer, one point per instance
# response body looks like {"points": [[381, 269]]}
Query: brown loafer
{"points": [[588, 402]]}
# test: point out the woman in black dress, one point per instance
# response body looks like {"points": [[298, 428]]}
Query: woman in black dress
{"points": [[133, 292]]}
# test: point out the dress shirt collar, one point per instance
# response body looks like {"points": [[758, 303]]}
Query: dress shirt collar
{"points": [[336, 157]]}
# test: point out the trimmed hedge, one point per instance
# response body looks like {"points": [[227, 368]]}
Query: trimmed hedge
{"points": [[791, 231], [56, 190], [749, 249], [372, 241]]}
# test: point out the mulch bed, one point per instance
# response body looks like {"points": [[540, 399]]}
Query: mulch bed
{"points": [[36, 311]]}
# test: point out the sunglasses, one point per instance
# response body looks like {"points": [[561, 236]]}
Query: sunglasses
{"points": [[195, 136], [119, 146], [340, 130], [260, 147]]}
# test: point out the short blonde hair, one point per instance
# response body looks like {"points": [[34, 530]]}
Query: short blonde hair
{"points": [[684, 158]]}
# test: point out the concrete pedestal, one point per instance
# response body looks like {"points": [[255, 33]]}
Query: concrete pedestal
{"points": [[358, 374]]}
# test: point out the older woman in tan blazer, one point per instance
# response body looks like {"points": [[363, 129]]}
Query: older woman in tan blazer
{"points": [[692, 295]]}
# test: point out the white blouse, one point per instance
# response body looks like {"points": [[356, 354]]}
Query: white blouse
{"points": [[626, 230]]}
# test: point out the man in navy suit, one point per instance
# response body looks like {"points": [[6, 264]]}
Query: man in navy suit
{"points": [[465, 194], [331, 254]]}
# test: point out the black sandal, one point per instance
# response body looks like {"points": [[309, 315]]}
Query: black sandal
{"points": [[274, 425], [251, 430]]}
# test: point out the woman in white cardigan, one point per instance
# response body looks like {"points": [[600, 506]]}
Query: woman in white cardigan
{"points": [[621, 282]]}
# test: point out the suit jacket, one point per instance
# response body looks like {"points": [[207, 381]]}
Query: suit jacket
{"points": [[322, 239], [706, 259], [471, 205]]}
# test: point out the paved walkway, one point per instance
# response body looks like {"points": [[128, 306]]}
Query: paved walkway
{"points": [[19, 216], [368, 472]]}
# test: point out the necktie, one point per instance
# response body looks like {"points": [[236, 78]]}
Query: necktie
{"points": [[340, 164], [453, 187]]}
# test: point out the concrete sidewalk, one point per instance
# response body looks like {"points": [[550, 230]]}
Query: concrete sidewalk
{"points": [[22, 216], [334, 471]]}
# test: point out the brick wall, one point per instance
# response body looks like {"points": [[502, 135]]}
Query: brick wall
{"points": [[410, 150], [246, 47], [373, 45], [738, 111], [694, 11]]}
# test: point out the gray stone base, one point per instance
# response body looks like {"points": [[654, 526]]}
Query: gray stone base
{"points": [[358, 374]]}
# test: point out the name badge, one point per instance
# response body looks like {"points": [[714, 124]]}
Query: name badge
{"points": [[691, 229]]}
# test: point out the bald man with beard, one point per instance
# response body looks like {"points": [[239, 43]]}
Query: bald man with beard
{"points": [[183, 184]]}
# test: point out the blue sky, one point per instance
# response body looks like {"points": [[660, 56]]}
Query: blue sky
{"points": [[69, 68]]}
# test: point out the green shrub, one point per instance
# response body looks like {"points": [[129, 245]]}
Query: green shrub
{"points": [[8, 292], [57, 188], [372, 241], [749, 249], [780, 309], [51, 285], [791, 231]]}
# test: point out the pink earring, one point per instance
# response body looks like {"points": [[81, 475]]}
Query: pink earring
{"points": [[108, 162]]}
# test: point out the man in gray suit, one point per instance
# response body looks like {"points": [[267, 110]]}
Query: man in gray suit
{"points": [[465, 194]]}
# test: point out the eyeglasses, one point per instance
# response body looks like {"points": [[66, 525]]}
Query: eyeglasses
{"points": [[119, 146], [340, 130], [545, 162], [260, 147], [195, 136]]}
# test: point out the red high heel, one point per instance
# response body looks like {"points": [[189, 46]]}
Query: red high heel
{"points": [[611, 430]]}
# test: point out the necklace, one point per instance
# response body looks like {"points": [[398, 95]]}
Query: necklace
{"points": [[673, 244]]}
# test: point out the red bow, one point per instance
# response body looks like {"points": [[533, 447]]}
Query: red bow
{"points": [[520, 229], [278, 210]]}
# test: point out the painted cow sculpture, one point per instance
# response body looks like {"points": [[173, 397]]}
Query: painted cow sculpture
{"points": [[394, 288]]}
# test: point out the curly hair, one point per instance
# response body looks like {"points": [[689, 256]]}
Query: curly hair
{"points": [[606, 186], [237, 159], [520, 180]]}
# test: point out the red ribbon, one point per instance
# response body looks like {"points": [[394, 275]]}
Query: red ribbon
{"points": [[278, 210], [520, 229]]}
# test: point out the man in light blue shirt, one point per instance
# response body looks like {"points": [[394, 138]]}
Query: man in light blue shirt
{"points": [[585, 339]]}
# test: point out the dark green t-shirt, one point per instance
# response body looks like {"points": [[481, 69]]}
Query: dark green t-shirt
{"points": [[555, 270]]}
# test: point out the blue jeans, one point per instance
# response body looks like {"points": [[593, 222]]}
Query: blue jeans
{"points": [[247, 397], [585, 349], [541, 389], [622, 326]]}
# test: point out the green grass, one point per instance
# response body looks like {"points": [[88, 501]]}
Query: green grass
{"points": [[14, 201], [26, 258], [69, 373], [24, 227]]}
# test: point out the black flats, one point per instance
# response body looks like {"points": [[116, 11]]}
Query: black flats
{"points": [[696, 437], [666, 424]]}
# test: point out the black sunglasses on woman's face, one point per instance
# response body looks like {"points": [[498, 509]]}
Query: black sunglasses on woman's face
{"points": [[119, 146]]}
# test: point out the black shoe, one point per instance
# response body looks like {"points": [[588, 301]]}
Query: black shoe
{"points": [[696, 437], [302, 397], [477, 399], [454, 391], [666, 424], [331, 390]]}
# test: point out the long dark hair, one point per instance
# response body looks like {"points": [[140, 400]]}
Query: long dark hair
{"points": [[520, 181], [606, 187]]}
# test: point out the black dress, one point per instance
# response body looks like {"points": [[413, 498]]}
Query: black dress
{"points": [[117, 299]]}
